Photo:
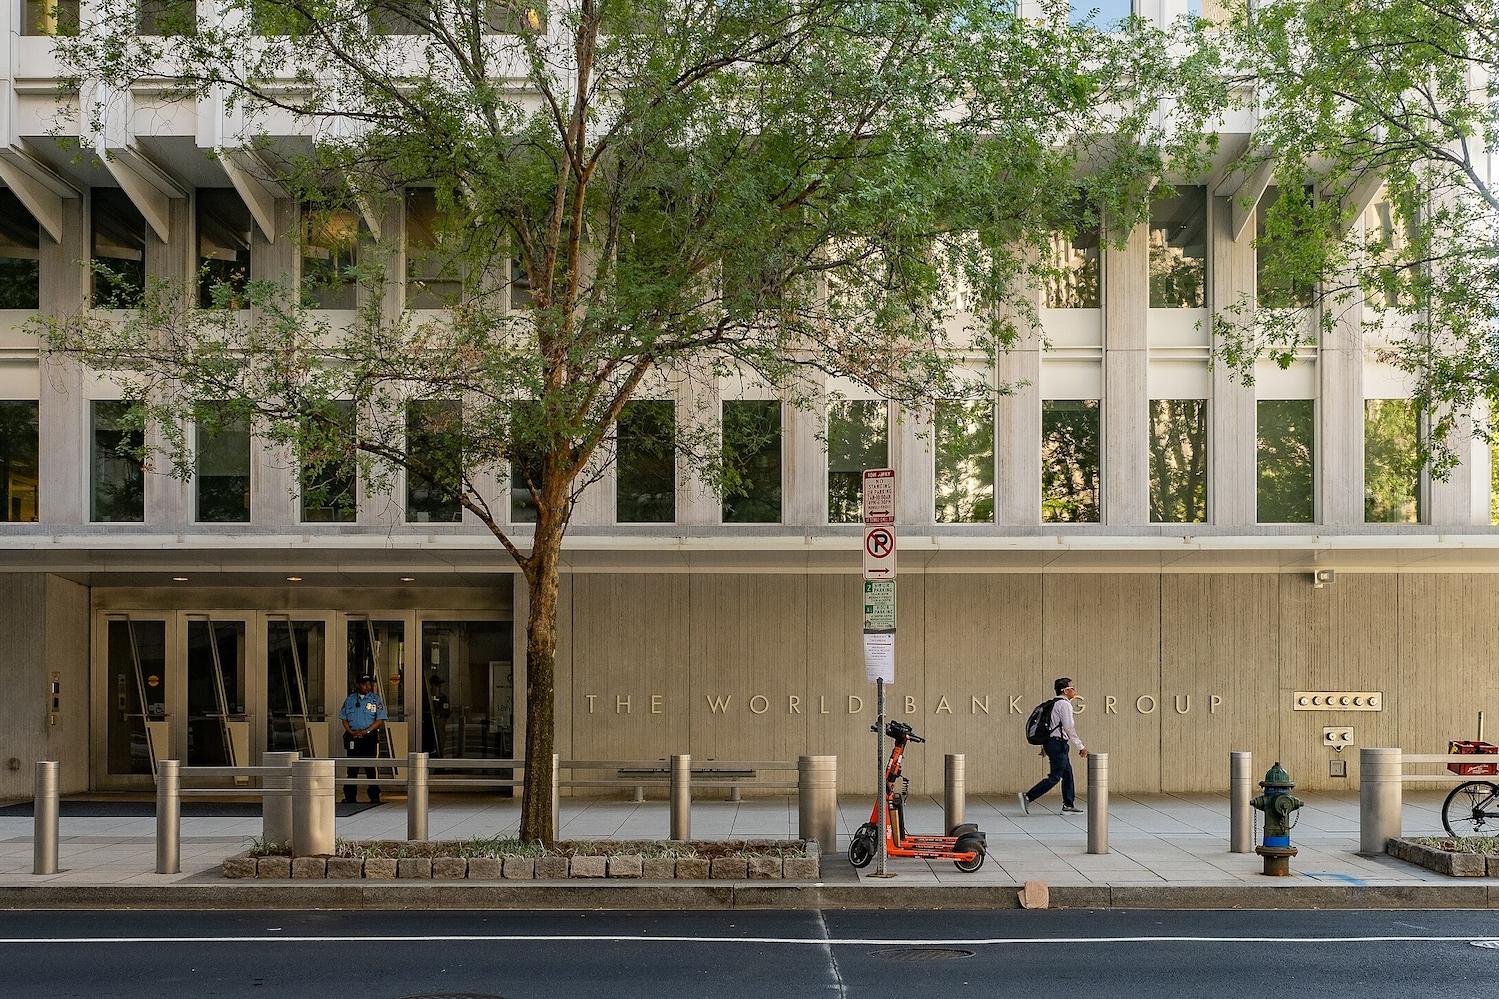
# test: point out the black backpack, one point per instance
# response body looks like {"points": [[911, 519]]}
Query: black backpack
{"points": [[1038, 726]]}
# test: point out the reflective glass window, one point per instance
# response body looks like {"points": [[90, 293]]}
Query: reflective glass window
{"points": [[1178, 248], [646, 483], [1392, 462], [964, 456], [1104, 14], [18, 461], [433, 276], [752, 461], [434, 453], [1073, 281], [1178, 461], [223, 248], [117, 487], [858, 438], [330, 476], [330, 254], [167, 18], [223, 466], [49, 17], [118, 239], [1070, 461], [1285, 452], [20, 242], [1274, 289]]}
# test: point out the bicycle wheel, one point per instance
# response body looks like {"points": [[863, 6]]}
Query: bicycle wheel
{"points": [[1472, 809]]}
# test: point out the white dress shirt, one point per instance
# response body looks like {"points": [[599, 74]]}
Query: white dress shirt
{"points": [[1064, 722]]}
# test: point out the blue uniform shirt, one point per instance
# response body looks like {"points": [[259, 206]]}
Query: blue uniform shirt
{"points": [[362, 710]]}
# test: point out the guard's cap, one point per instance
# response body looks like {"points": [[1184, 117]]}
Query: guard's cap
{"points": [[366, 678]]}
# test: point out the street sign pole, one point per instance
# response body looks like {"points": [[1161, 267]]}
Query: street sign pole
{"points": [[879, 741], [879, 624]]}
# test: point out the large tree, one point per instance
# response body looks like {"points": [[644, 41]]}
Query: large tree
{"points": [[627, 192], [1387, 109]]}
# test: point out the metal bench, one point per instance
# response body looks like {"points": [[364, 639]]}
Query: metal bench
{"points": [[662, 775]]}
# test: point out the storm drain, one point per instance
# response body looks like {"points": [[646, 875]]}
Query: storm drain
{"points": [[921, 953]]}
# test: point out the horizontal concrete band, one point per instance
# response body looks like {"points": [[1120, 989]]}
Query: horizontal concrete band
{"points": [[746, 896]]}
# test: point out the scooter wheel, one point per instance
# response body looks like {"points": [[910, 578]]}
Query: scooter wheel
{"points": [[965, 845], [861, 851]]}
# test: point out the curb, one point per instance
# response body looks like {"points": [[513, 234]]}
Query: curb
{"points": [[736, 895]]}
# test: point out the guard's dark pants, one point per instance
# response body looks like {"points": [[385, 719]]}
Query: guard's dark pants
{"points": [[366, 745], [1061, 770]]}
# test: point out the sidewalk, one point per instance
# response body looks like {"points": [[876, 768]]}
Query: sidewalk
{"points": [[1165, 849]]}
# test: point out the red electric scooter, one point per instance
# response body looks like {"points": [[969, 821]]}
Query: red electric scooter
{"points": [[964, 845]]}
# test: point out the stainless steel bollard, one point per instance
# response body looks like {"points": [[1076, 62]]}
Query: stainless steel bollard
{"points": [[1098, 802], [311, 808], [418, 775], [1380, 798], [168, 817], [45, 810], [275, 804], [817, 801], [1240, 790], [954, 790], [681, 797], [556, 796]]}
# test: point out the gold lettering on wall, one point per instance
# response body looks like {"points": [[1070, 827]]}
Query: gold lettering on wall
{"points": [[793, 705], [764, 704], [822, 705], [622, 704], [910, 704], [1140, 704], [1015, 708], [591, 699], [718, 705], [1177, 702], [1213, 703], [852, 700], [974, 706], [1079, 704], [943, 708], [1110, 705], [656, 704]]}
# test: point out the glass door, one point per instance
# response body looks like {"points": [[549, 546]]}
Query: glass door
{"points": [[376, 644], [138, 719], [218, 719], [295, 689], [467, 690]]}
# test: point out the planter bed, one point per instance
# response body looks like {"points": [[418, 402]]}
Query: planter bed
{"points": [[511, 860], [1473, 857]]}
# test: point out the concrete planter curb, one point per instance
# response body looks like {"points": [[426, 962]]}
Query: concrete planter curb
{"points": [[765, 868], [587, 867], [518, 868], [380, 869], [629, 865], [309, 868], [692, 869], [1448, 862], [241, 865], [728, 869], [551, 868], [449, 868], [345, 867], [414, 867], [658, 868], [484, 868], [277, 868]]}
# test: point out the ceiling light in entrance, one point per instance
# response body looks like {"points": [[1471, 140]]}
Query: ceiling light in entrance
{"points": [[293, 579], [179, 579], [408, 579]]}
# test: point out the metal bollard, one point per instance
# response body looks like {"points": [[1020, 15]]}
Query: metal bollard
{"points": [[1240, 790], [311, 808], [168, 817], [418, 774], [45, 824], [817, 801], [954, 790], [275, 804], [681, 797], [556, 796], [1380, 798], [1098, 802]]}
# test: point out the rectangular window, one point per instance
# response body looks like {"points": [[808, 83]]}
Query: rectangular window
{"points": [[118, 240], [526, 462], [1209, 10], [1387, 237], [1392, 462], [1070, 461], [505, 18], [118, 482], [49, 17], [433, 278], [330, 254], [1285, 455], [1178, 248], [647, 465], [434, 454], [20, 243], [167, 18], [520, 285], [400, 17], [752, 461], [858, 438], [1275, 287], [223, 465], [18, 461], [964, 455], [1104, 14], [1073, 281], [330, 477], [223, 249], [1178, 461]]}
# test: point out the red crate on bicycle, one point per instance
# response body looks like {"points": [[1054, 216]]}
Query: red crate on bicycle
{"points": [[1469, 747]]}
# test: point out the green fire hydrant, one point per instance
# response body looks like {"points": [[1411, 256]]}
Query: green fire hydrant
{"points": [[1279, 806]]}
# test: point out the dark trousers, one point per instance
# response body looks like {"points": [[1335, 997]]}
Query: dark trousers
{"points": [[1061, 770], [366, 745]]}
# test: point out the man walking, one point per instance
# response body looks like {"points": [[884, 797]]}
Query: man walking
{"points": [[363, 715], [1061, 733]]}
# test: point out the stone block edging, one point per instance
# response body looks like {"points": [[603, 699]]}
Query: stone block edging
{"points": [[1448, 862]]}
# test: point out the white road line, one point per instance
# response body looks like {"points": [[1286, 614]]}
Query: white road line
{"points": [[762, 941]]}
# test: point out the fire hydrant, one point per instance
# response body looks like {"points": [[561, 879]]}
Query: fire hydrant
{"points": [[1279, 806]]}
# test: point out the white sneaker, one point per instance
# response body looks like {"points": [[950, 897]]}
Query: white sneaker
{"points": [[1071, 810], [1025, 803]]}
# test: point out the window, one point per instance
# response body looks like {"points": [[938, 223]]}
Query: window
{"points": [[167, 17], [223, 465], [752, 461], [858, 438], [330, 253], [1073, 278], [1178, 461], [1069, 461], [1276, 286], [433, 280], [646, 491], [1387, 236], [223, 249], [400, 17], [18, 461], [515, 18], [1099, 13], [330, 477], [118, 493], [1178, 249], [520, 285], [964, 453], [527, 464], [49, 17], [1209, 10], [434, 455], [1392, 462], [119, 250], [1285, 453], [20, 242]]}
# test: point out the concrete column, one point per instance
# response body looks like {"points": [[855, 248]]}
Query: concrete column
{"points": [[274, 501], [1126, 433], [385, 507], [804, 473], [1340, 419], [1231, 410], [1461, 499], [1017, 426], [62, 413], [699, 414], [911, 452]]}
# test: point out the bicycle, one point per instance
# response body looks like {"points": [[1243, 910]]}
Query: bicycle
{"points": [[1472, 809]]}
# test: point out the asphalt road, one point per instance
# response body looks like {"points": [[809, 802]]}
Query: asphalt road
{"points": [[726, 955]]}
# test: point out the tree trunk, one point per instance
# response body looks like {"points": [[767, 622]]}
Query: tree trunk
{"points": [[542, 581]]}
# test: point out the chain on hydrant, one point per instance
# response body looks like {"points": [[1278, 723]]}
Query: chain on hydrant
{"points": [[1279, 806]]}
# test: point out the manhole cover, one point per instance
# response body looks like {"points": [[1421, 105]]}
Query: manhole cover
{"points": [[1485, 944], [922, 953]]}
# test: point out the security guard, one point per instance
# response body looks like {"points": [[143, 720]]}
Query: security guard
{"points": [[363, 715]]}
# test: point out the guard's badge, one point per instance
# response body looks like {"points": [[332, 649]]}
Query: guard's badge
{"points": [[370, 706]]}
